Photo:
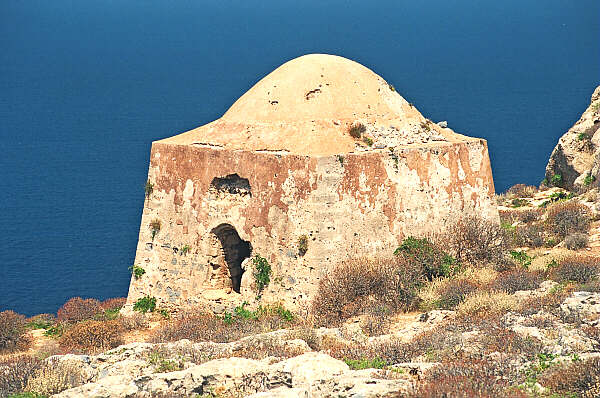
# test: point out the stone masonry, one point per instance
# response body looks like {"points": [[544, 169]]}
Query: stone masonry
{"points": [[280, 167]]}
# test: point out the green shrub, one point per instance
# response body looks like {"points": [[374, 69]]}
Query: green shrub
{"points": [[366, 363], [556, 180], [434, 261], [41, 321], [78, 309], [588, 180], [302, 245], [262, 273], [145, 304], [155, 226], [583, 136], [185, 250], [521, 257], [137, 271], [148, 189], [517, 202], [368, 141], [357, 130], [564, 218]]}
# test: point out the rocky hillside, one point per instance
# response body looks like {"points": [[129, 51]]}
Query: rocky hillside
{"points": [[575, 161]]}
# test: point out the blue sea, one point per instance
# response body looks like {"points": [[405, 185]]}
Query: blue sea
{"points": [[86, 86]]}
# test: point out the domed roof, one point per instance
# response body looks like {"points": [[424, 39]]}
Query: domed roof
{"points": [[307, 105]]}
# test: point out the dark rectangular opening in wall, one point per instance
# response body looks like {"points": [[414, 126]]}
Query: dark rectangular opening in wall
{"points": [[233, 184]]}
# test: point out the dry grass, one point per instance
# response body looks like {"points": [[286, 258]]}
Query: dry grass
{"points": [[56, 377], [196, 325], [522, 191], [487, 304]]}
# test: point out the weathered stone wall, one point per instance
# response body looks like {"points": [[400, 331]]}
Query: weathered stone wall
{"points": [[213, 200]]}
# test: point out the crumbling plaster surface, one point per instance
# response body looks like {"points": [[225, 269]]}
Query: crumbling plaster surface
{"points": [[355, 204]]}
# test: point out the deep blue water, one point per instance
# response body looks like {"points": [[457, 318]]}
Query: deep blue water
{"points": [[86, 86]]}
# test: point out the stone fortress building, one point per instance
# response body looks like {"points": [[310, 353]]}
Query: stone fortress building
{"points": [[281, 176]]}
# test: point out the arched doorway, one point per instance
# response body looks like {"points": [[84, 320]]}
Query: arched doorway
{"points": [[234, 250]]}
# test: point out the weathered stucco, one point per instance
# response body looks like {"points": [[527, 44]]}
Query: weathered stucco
{"points": [[350, 203]]}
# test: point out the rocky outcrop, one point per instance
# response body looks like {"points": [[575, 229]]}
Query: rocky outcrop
{"points": [[575, 161]]}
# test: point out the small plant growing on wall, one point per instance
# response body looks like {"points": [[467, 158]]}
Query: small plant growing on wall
{"points": [[368, 141], [185, 249], [302, 245], [155, 227], [262, 273], [145, 304], [357, 130], [137, 271], [148, 189]]}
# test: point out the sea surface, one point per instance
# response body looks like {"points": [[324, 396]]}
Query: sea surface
{"points": [[86, 86]]}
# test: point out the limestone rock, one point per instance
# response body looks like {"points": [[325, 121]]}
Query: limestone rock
{"points": [[577, 154]]}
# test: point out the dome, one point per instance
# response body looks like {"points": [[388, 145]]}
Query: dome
{"points": [[307, 105]]}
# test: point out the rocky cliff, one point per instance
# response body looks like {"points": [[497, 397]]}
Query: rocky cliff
{"points": [[575, 161]]}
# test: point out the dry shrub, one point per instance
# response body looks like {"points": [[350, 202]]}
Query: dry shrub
{"points": [[13, 328], [577, 377], [522, 191], [484, 379], [55, 377], [592, 286], [548, 303], [136, 321], [515, 280], [198, 326], [482, 303], [78, 309], [113, 303], [576, 241], [577, 268], [564, 218], [475, 240], [531, 235], [15, 372], [454, 292], [592, 333], [357, 285], [92, 336]]}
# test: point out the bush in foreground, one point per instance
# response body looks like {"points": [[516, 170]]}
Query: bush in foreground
{"points": [[357, 286], [15, 372], [199, 326], [56, 377], [577, 268], [12, 331], [577, 378], [576, 241], [78, 309], [515, 280], [92, 336], [564, 218]]}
